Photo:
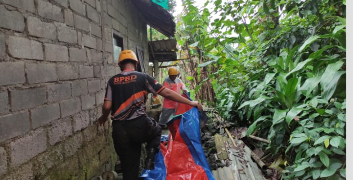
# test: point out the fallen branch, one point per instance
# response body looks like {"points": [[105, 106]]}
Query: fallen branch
{"points": [[256, 158], [231, 138], [260, 139]]}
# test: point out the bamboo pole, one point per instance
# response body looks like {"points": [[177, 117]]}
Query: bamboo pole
{"points": [[262, 165], [260, 139], [231, 138]]}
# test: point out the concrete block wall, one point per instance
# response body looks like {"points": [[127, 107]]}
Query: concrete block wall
{"points": [[55, 59]]}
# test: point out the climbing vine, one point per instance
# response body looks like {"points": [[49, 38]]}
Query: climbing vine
{"points": [[278, 67]]}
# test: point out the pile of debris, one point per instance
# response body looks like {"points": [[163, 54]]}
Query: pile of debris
{"points": [[229, 154]]}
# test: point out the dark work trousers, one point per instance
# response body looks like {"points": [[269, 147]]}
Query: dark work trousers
{"points": [[128, 135]]}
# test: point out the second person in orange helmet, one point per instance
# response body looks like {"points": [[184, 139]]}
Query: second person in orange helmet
{"points": [[169, 106]]}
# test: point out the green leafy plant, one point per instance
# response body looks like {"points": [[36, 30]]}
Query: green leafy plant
{"points": [[278, 67]]}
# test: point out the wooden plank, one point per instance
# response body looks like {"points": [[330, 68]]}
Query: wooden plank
{"points": [[220, 146]]}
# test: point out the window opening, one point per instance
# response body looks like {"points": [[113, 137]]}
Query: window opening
{"points": [[118, 45]]}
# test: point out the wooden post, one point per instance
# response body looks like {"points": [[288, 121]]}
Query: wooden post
{"points": [[156, 70]]}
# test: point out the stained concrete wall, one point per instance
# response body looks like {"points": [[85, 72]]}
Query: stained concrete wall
{"points": [[55, 60]]}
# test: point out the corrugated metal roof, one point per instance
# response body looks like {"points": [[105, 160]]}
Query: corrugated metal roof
{"points": [[162, 50], [157, 17], [241, 167], [160, 45]]}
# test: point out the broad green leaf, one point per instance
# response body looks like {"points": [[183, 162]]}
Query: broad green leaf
{"points": [[291, 86], [324, 159], [253, 126], [344, 2], [330, 78], [339, 131], [342, 143], [318, 53], [289, 59], [327, 172], [190, 78], [260, 86], [299, 135], [335, 164], [343, 172], [310, 152], [338, 105], [342, 20], [269, 77], [321, 139], [218, 2], [280, 62], [320, 111], [278, 116], [341, 39], [326, 151], [313, 102], [281, 83], [335, 141], [330, 88], [292, 113], [289, 148], [309, 85], [296, 141], [299, 155], [253, 103], [301, 167], [341, 117], [299, 66], [300, 173], [338, 151], [308, 42], [328, 111], [329, 130], [316, 173], [327, 142], [318, 150], [207, 63], [194, 44], [338, 28]]}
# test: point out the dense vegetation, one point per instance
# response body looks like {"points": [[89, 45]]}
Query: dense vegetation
{"points": [[277, 67]]}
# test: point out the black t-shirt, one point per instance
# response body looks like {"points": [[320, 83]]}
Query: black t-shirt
{"points": [[128, 92]]}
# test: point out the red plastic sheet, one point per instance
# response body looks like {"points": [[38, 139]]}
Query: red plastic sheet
{"points": [[182, 156]]}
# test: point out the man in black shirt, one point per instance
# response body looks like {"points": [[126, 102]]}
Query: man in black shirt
{"points": [[125, 99]]}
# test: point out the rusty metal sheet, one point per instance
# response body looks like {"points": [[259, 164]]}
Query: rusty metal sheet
{"points": [[242, 167]]}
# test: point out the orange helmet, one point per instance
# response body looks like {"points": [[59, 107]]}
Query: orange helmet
{"points": [[173, 71], [127, 55]]}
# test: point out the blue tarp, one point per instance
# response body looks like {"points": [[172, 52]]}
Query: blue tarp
{"points": [[183, 158]]}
